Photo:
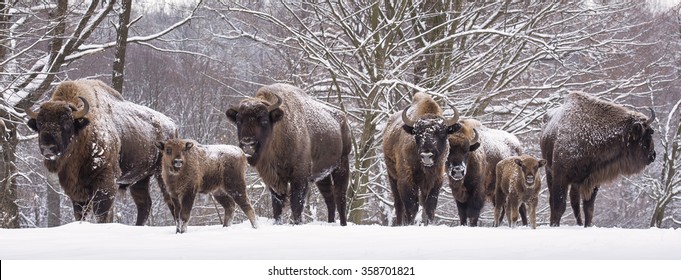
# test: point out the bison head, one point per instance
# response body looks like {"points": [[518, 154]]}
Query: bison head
{"points": [[431, 132], [57, 122], [640, 139], [255, 119], [459, 149], [529, 168], [174, 153]]}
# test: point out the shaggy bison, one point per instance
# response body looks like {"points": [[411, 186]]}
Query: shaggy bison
{"points": [[293, 140], [588, 142], [474, 152], [190, 168], [518, 183], [96, 142], [415, 149]]}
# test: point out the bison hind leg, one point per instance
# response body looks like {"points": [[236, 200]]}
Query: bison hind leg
{"points": [[574, 203], [140, 195], [228, 204], [341, 179], [326, 189]]}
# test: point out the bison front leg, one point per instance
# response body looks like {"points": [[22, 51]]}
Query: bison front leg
{"points": [[140, 195], [575, 197], [186, 204], [523, 213], [462, 209], [278, 201], [532, 206], [430, 204], [298, 193], [589, 208], [80, 210], [410, 200], [102, 204], [172, 206]]}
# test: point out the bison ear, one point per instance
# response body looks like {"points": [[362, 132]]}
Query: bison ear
{"points": [[542, 163], [474, 147], [231, 114], [188, 146], [518, 162], [33, 124], [276, 115], [453, 128], [636, 132], [81, 123], [160, 145]]}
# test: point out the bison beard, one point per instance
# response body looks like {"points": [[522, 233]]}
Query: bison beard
{"points": [[588, 142], [94, 152], [292, 140]]}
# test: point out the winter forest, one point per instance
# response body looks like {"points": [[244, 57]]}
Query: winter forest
{"points": [[505, 63]]}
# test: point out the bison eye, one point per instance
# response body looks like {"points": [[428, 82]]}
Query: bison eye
{"points": [[169, 151]]}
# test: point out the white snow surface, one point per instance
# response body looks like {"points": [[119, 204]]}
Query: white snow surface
{"points": [[324, 241]]}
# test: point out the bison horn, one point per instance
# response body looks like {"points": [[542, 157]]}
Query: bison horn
{"points": [[31, 114], [407, 121], [82, 112], [476, 138], [276, 104], [652, 116], [455, 118]]}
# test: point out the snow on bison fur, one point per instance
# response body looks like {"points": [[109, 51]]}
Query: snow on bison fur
{"points": [[588, 142], [190, 168], [415, 149], [293, 140], [97, 142]]}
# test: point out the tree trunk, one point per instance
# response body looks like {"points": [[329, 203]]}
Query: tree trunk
{"points": [[9, 210], [121, 45], [53, 201]]}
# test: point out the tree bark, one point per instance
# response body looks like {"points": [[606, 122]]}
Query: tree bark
{"points": [[117, 78], [53, 201]]}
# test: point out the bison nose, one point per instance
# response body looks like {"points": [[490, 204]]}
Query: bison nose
{"points": [[529, 179], [49, 151], [248, 145], [247, 141], [177, 163], [427, 159], [457, 172]]}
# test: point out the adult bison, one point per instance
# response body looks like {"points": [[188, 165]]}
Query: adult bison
{"points": [[474, 152], [292, 139], [588, 142], [97, 142], [415, 149]]}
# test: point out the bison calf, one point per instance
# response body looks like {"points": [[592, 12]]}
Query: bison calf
{"points": [[190, 168], [518, 182]]}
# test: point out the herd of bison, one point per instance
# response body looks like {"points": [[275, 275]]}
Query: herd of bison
{"points": [[97, 142]]}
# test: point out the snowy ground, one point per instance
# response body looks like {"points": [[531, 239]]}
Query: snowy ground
{"points": [[322, 241]]}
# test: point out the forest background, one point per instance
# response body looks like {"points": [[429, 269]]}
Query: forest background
{"points": [[503, 62]]}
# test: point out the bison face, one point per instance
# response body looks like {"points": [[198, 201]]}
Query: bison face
{"points": [[459, 150], [57, 123], [254, 121], [430, 133], [640, 140], [529, 168], [174, 152]]}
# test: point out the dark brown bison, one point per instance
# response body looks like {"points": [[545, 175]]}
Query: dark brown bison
{"points": [[190, 168], [97, 142], [415, 149], [474, 152], [293, 140], [518, 183], [588, 142]]}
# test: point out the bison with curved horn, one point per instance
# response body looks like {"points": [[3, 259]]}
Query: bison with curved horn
{"points": [[588, 142], [97, 142], [415, 149], [291, 139]]}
